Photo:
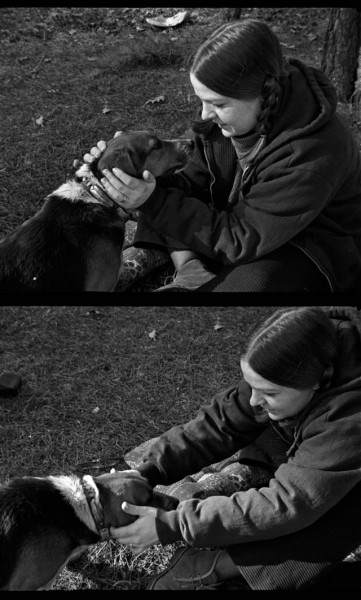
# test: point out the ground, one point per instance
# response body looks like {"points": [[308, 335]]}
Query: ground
{"points": [[99, 380], [73, 76]]}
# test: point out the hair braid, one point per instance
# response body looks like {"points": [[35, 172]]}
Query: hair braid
{"points": [[271, 93]]}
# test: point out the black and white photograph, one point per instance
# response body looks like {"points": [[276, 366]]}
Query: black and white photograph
{"points": [[191, 150], [155, 435]]}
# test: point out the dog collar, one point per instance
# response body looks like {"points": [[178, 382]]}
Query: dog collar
{"points": [[92, 495], [95, 189]]}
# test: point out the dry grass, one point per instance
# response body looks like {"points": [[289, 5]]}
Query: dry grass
{"points": [[77, 359]]}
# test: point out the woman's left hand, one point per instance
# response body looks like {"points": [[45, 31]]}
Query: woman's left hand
{"points": [[129, 192], [142, 533]]}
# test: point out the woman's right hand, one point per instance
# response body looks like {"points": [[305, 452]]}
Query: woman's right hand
{"points": [[94, 152]]}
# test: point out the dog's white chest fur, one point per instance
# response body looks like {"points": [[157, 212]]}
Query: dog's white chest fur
{"points": [[72, 490], [73, 191]]}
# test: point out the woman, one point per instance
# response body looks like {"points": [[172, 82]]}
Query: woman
{"points": [[296, 413], [271, 199]]}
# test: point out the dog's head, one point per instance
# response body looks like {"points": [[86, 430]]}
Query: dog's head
{"points": [[115, 488], [141, 150]]}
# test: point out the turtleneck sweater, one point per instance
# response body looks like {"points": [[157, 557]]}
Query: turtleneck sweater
{"points": [[247, 148]]}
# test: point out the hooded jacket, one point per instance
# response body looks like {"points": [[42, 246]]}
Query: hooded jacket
{"points": [[303, 187], [321, 466]]}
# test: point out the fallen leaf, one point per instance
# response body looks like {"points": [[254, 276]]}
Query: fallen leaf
{"points": [[218, 326], [290, 47], [95, 314], [155, 100], [177, 19], [152, 334], [40, 121], [106, 110]]}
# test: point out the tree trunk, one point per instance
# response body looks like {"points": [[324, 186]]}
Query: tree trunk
{"points": [[231, 14], [341, 50], [356, 96]]}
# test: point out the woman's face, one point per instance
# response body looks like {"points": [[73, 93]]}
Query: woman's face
{"points": [[234, 117], [279, 401]]}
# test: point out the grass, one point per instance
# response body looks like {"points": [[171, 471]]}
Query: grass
{"points": [[74, 360], [73, 76], [95, 384], [99, 380]]}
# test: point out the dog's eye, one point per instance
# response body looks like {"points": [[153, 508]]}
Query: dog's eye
{"points": [[155, 144]]}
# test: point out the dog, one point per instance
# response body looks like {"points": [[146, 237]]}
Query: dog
{"points": [[74, 242], [46, 521]]}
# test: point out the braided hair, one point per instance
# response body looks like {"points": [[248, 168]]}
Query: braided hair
{"points": [[244, 60], [294, 347], [270, 98]]}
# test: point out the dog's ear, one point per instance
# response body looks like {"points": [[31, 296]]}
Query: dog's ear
{"points": [[154, 143]]}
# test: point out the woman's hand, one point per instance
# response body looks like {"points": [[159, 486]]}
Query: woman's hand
{"points": [[94, 153], [97, 150], [142, 533], [129, 192]]}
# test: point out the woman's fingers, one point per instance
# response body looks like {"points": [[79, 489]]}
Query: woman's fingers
{"points": [[101, 145], [95, 152]]}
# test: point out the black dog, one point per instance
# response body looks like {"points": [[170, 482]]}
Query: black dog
{"points": [[74, 243], [45, 521]]}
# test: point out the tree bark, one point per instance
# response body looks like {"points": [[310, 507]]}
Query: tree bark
{"points": [[341, 50]]}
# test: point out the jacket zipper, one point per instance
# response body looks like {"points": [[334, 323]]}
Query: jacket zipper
{"points": [[207, 154], [315, 263], [280, 434], [244, 173]]}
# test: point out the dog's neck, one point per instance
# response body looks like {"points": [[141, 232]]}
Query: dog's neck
{"points": [[92, 495], [95, 189], [83, 495]]}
